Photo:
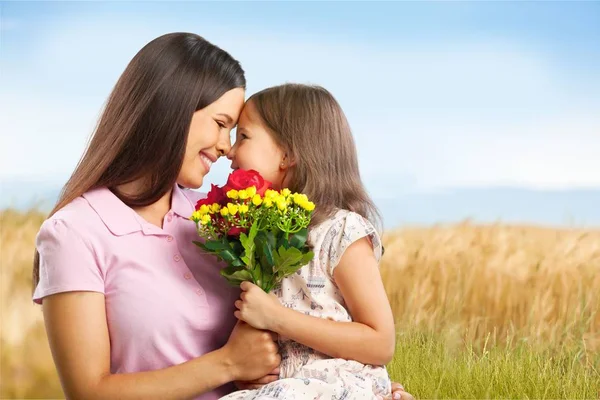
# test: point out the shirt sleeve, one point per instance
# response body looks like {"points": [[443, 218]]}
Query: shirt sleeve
{"points": [[67, 261], [346, 230]]}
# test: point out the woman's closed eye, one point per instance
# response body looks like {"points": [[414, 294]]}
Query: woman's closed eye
{"points": [[221, 124]]}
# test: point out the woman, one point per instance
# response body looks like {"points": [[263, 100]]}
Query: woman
{"points": [[132, 309]]}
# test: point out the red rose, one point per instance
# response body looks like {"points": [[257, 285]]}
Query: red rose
{"points": [[215, 195], [242, 179], [236, 230]]}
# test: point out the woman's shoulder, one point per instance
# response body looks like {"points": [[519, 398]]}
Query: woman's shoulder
{"points": [[71, 227], [77, 214], [88, 215]]}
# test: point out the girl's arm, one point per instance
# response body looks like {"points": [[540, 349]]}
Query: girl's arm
{"points": [[78, 335], [369, 339]]}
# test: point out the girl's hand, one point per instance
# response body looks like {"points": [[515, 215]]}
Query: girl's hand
{"points": [[256, 307], [398, 393]]}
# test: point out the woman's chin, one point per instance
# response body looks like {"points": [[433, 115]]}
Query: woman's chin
{"points": [[192, 182]]}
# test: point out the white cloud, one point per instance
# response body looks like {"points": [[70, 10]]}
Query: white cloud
{"points": [[426, 116], [555, 153]]}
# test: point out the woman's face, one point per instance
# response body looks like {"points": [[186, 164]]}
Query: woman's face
{"points": [[208, 137], [256, 149]]}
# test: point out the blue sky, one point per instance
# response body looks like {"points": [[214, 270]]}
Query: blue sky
{"points": [[442, 96]]}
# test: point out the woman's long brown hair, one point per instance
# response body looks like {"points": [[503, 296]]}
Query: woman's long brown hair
{"points": [[143, 130]]}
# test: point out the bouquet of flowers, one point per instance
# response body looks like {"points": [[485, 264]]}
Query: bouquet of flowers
{"points": [[258, 232]]}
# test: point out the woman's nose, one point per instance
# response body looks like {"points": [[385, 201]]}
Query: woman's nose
{"points": [[231, 153], [224, 145]]}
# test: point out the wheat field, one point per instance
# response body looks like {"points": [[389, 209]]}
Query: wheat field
{"points": [[492, 311]]}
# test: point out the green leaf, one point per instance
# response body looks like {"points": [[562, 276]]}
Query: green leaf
{"points": [[247, 242], [282, 242], [294, 264], [264, 258], [289, 270], [238, 249], [202, 246], [271, 239], [213, 245], [230, 257], [235, 275], [285, 258], [264, 249], [306, 258], [298, 239]]}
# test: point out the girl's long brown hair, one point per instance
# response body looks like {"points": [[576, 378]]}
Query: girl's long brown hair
{"points": [[309, 124], [143, 130]]}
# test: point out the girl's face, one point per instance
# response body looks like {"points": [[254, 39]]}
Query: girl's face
{"points": [[256, 149], [208, 137]]}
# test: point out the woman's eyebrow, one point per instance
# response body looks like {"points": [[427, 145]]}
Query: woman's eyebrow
{"points": [[227, 117]]}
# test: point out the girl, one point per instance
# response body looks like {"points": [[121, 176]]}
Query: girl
{"points": [[333, 318]]}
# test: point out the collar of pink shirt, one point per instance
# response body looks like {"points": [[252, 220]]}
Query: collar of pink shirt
{"points": [[122, 220]]}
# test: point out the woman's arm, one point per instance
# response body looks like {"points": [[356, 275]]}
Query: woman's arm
{"points": [[79, 340], [369, 339]]}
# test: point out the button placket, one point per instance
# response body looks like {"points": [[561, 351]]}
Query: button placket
{"points": [[178, 262]]}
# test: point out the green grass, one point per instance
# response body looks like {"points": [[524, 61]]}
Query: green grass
{"points": [[432, 368]]}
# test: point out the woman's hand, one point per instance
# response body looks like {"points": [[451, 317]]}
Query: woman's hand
{"points": [[258, 383], [250, 353], [256, 307]]}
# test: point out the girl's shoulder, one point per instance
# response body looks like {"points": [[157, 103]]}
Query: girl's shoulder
{"points": [[335, 234], [344, 221]]}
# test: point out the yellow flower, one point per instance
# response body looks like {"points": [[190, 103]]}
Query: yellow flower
{"points": [[195, 216], [204, 209], [299, 198], [271, 194], [277, 197], [232, 194], [215, 208], [286, 192], [224, 211], [256, 200], [233, 208], [308, 206], [205, 219], [243, 194], [268, 202], [251, 191], [281, 203], [243, 208]]}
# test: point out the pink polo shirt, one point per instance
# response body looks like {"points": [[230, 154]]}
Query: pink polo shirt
{"points": [[165, 301]]}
